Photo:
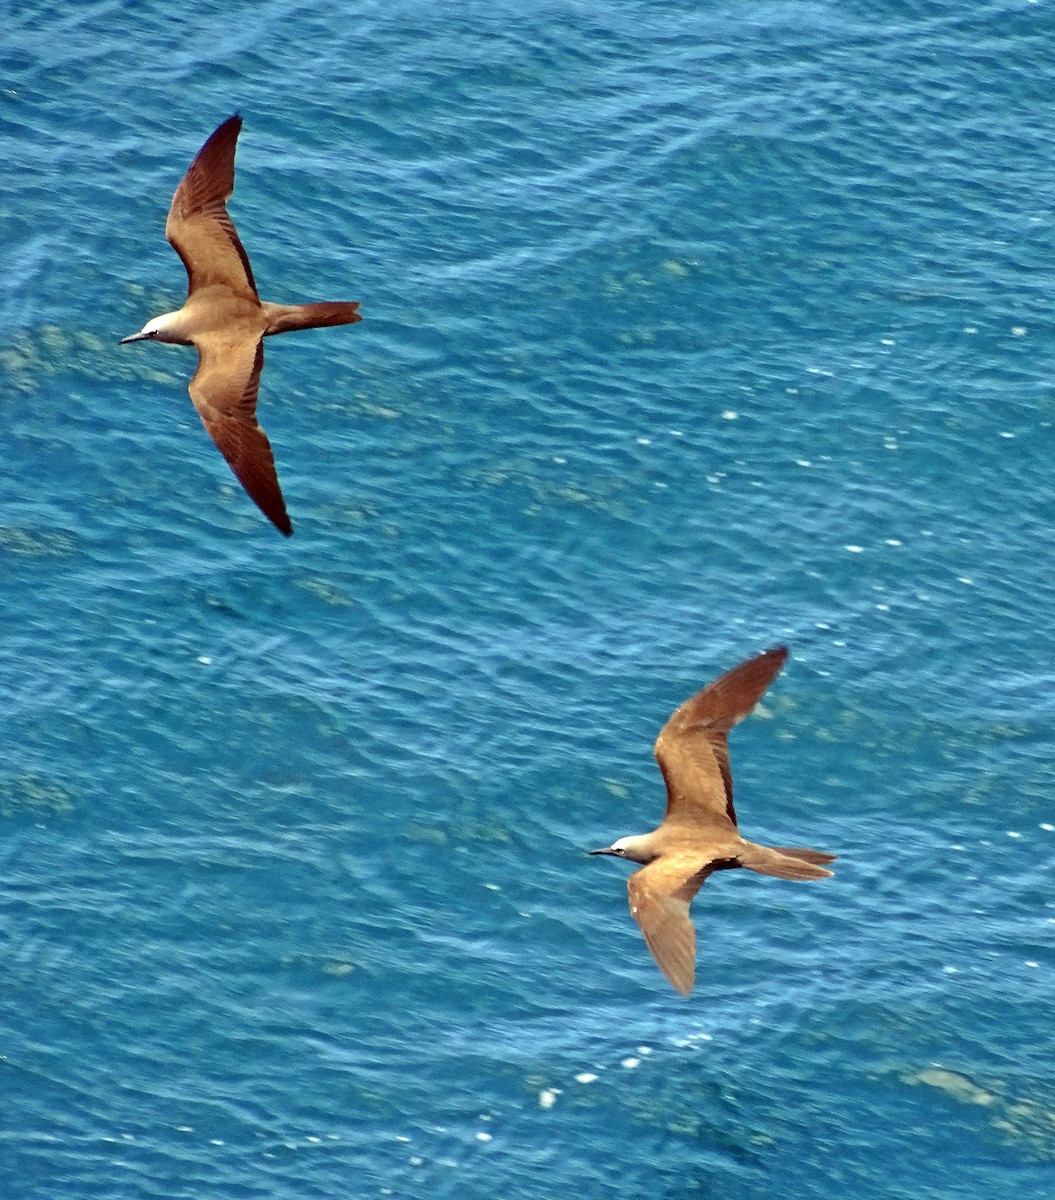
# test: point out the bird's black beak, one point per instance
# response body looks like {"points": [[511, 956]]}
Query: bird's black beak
{"points": [[133, 337], [606, 850]]}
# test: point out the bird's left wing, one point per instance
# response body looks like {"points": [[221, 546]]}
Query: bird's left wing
{"points": [[224, 390], [660, 895]]}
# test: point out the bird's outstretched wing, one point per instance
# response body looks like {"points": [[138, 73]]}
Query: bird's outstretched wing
{"points": [[224, 391], [660, 895], [199, 227], [692, 748]]}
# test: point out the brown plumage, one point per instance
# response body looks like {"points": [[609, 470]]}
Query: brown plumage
{"points": [[226, 321], [699, 833]]}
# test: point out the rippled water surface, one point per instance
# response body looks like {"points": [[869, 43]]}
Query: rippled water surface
{"points": [[689, 328]]}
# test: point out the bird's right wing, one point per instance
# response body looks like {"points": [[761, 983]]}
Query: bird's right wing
{"points": [[692, 748], [660, 895], [224, 390], [199, 227]]}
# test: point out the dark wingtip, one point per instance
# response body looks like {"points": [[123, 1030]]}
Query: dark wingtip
{"points": [[233, 121]]}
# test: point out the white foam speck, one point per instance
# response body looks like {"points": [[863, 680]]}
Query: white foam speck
{"points": [[894, 542], [950, 970], [589, 1077], [676, 433], [644, 441], [729, 415], [803, 462], [644, 1050], [483, 1137], [1018, 330], [493, 887], [887, 341], [970, 329], [630, 1063], [216, 1141], [1031, 963], [1012, 833], [1049, 828], [184, 1128], [205, 660], [792, 391], [855, 549], [548, 1097], [1007, 435], [559, 461]]}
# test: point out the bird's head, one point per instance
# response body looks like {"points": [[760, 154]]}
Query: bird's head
{"points": [[165, 328], [636, 849]]}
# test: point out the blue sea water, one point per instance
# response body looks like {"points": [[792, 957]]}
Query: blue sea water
{"points": [[689, 328]]}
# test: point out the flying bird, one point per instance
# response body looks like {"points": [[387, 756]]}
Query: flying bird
{"points": [[225, 320], [699, 833]]}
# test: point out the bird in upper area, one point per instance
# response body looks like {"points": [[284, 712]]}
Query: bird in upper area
{"points": [[699, 833], [226, 321]]}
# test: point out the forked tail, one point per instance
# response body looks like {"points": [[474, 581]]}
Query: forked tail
{"points": [[284, 317], [785, 862]]}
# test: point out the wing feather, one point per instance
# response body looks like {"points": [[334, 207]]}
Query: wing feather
{"points": [[692, 748], [660, 895], [224, 390], [199, 227]]}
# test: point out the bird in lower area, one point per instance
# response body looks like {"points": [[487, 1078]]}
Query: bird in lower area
{"points": [[699, 832], [226, 321]]}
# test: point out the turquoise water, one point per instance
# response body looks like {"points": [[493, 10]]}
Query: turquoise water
{"points": [[688, 329]]}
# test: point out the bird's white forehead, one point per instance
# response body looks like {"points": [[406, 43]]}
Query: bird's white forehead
{"points": [[622, 843]]}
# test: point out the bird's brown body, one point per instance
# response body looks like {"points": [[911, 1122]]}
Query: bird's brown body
{"points": [[226, 321], [699, 833]]}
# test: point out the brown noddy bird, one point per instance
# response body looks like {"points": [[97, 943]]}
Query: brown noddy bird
{"points": [[699, 833], [226, 321]]}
